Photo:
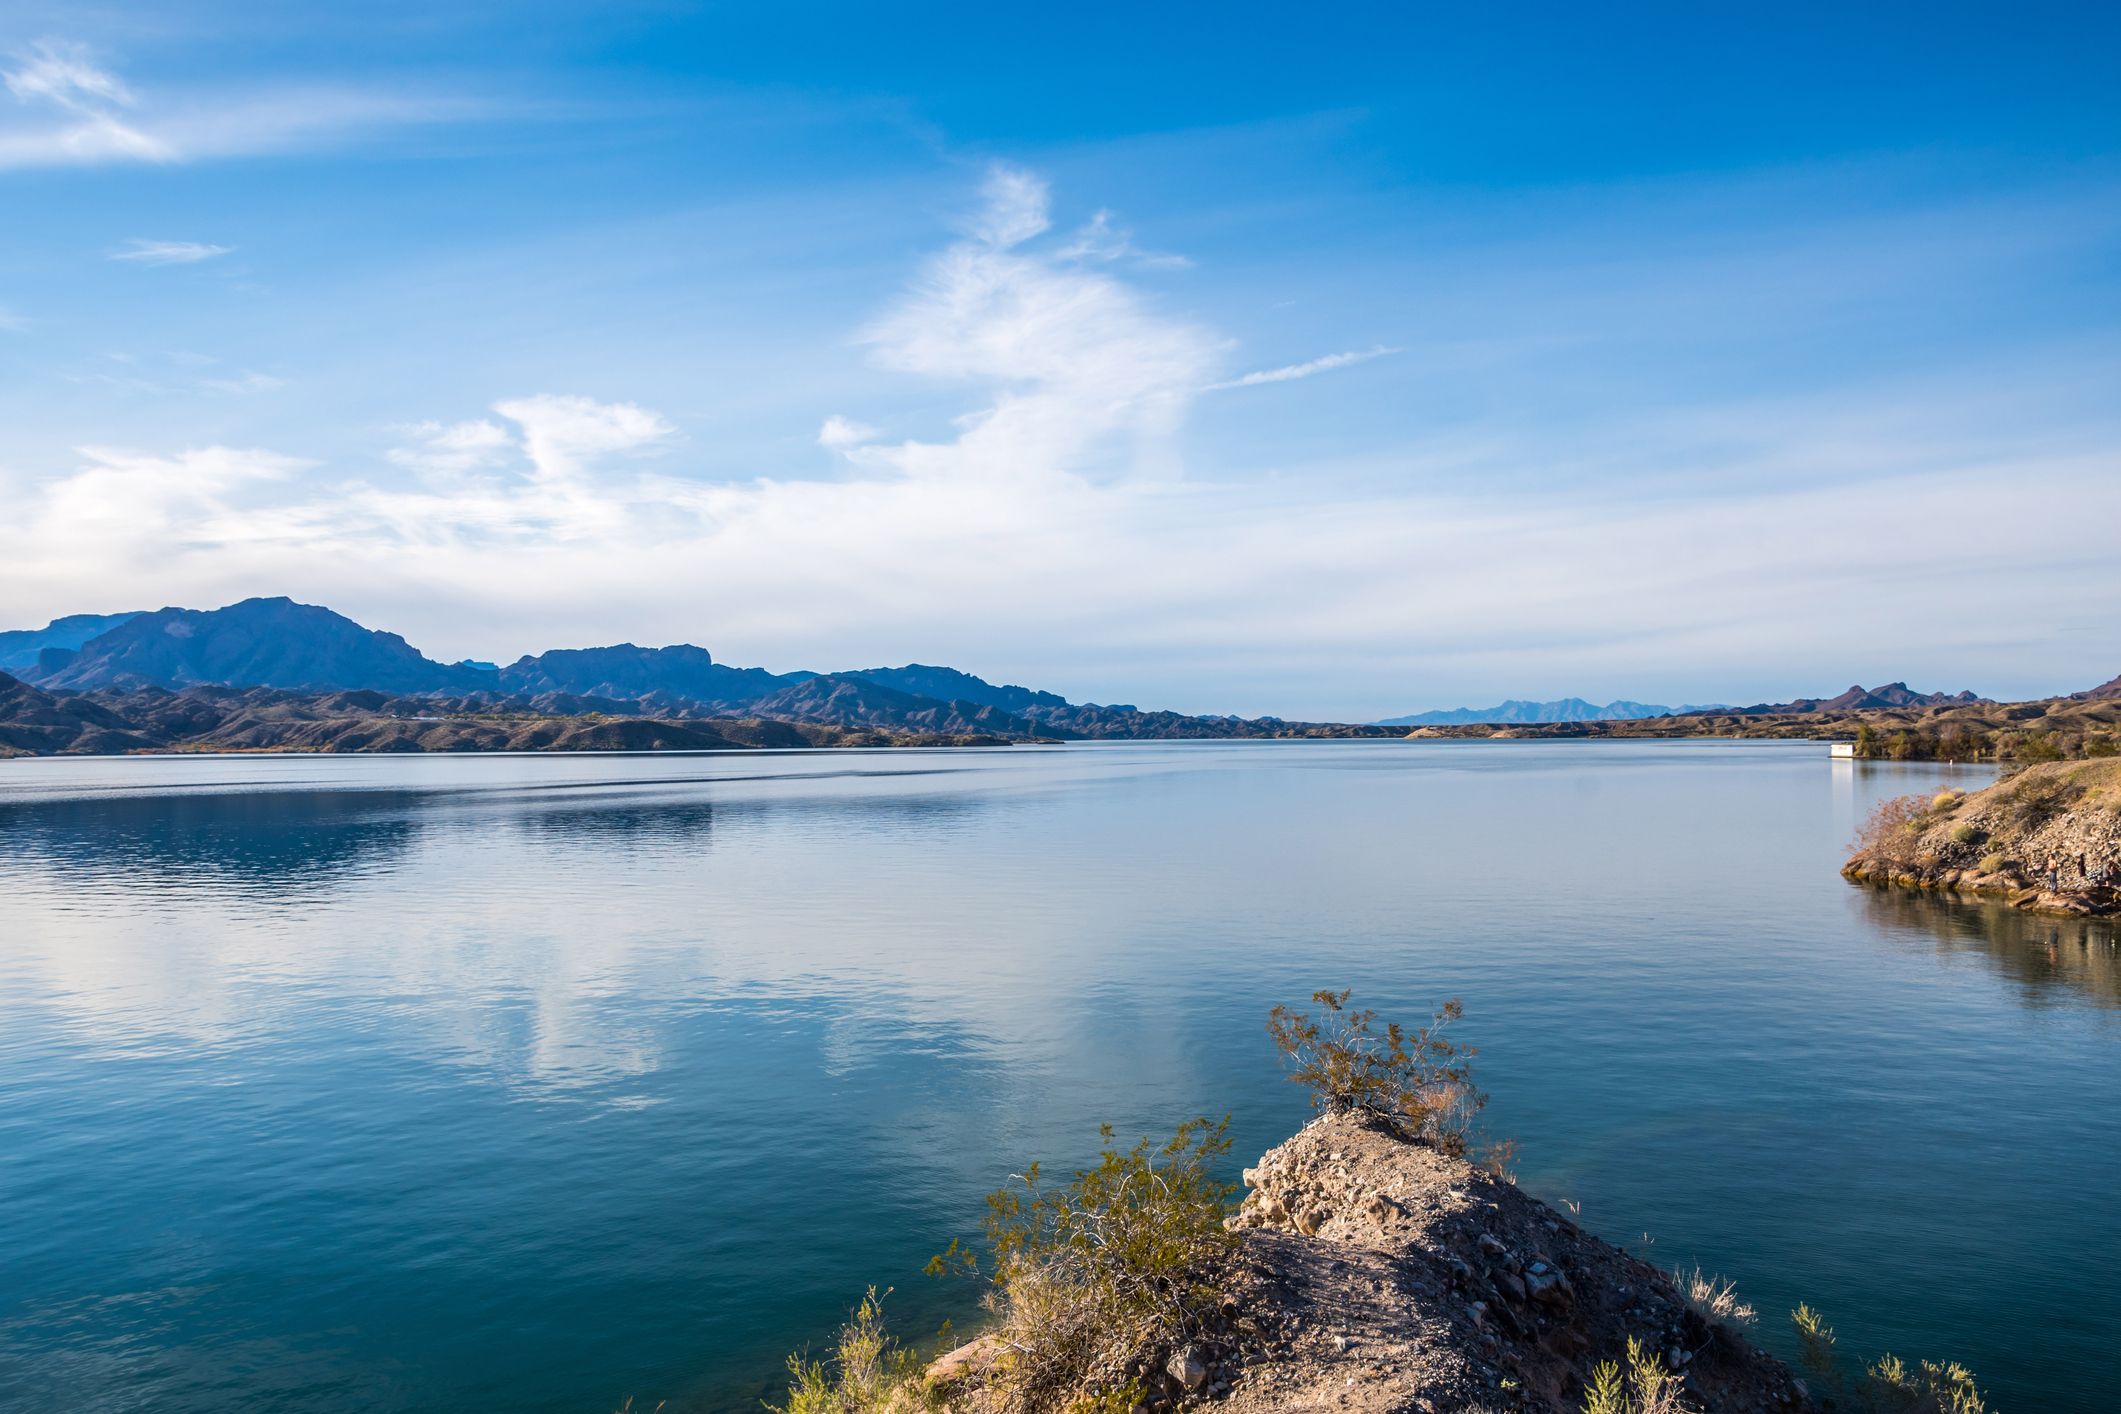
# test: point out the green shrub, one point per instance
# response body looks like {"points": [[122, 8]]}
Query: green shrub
{"points": [[1889, 1385], [1967, 832], [1992, 863], [1645, 1387], [1100, 1276], [868, 1371], [1420, 1081], [1945, 799], [2036, 747]]}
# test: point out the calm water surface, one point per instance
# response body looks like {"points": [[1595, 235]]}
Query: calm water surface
{"points": [[532, 1083]]}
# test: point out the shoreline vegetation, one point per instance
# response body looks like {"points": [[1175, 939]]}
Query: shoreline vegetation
{"points": [[2082, 727], [1382, 1259], [2045, 838]]}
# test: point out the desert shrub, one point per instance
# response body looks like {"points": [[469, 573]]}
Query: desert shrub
{"points": [[1714, 1298], [2036, 747], [1097, 1276], [868, 1371], [1894, 826], [1967, 832], [1991, 863], [1888, 1385], [2035, 799], [1420, 1081], [1644, 1387], [2101, 746], [1945, 799]]}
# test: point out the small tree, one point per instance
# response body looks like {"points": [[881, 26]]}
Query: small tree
{"points": [[1093, 1274], [1420, 1081]]}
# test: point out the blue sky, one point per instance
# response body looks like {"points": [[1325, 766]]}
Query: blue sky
{"points": [[1326, 362]]}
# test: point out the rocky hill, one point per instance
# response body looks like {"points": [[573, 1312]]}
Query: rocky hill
{"points": [[1374, 1275], [211, 718], [1858, 698], [679, 673], [2046, 839], [1952, 731], [950, 685], [258, 642]]}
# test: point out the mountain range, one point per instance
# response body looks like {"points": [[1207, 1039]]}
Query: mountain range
{"points": [[1575, 709], [1567, 709], [272, 672]]}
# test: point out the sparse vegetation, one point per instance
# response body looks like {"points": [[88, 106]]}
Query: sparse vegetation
{"points": [[1420, 1081], [1100, 1277], [1887, 1386], [868, 1372], [1714, 1298], [1643, 1387], [1893, 829]]}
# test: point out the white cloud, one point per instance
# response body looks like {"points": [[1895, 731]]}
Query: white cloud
{"points": [[562, 434], [72, 111], [455, 448], [145, 252], [1016, 207], [1046, 534], [839, 434], [1073, 361], [64, 74], [1291, 372]]}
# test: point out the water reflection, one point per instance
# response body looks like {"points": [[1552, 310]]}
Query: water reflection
{"points": [[534, 1083], [2039, 954], [271, 841]]}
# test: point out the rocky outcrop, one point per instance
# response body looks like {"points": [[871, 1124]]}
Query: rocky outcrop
{"points": [[2047, 839], [1373, 1274]]}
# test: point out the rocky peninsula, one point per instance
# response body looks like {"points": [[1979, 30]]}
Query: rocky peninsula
{"points": [[2046, 839], [1366, 1272]]}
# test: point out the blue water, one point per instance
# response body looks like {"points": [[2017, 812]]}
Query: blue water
{"points": [[532, 1083]]}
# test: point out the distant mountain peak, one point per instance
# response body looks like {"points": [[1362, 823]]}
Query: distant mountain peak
{"points": [[1518, 710]]}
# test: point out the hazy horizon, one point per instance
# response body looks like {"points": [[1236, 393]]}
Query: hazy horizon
{"points": [[1340, 366]]}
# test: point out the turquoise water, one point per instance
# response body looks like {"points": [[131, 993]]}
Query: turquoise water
{"points": [[532, 1083]]}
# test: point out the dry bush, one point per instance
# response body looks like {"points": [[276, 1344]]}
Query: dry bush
{"points": [[1893, 829], [1644, 1387], [1420, 1081], [1099, 1278], [1714, 1298]]}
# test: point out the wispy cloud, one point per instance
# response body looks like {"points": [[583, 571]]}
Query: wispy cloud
{"points": [[246, 382], [12, 322], [840, 433], [1016, 206], [72, 110], [1102, 238], [1289, 373], [145, 252]]}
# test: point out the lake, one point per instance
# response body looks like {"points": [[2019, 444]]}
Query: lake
{"points": [[534, 1083]]}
